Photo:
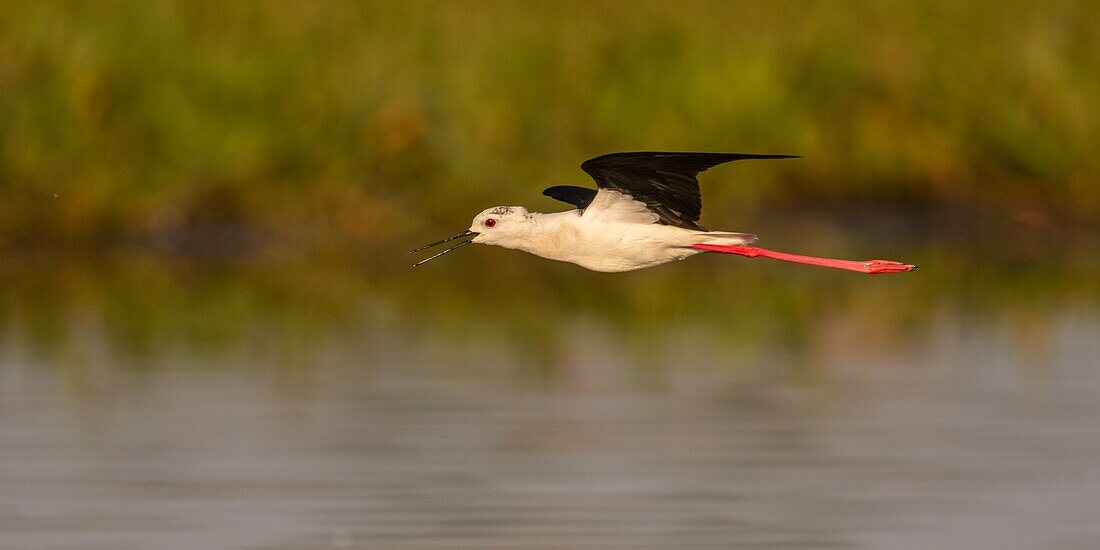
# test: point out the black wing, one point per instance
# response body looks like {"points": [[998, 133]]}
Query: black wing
{"points": [[665, 182], [580, 197]]}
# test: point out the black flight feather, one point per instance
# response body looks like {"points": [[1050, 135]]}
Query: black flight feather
{"points": [[580, 197], [665, 182]]}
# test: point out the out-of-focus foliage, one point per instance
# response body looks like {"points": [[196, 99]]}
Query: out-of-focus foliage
{"points": [[183, 124], [303, 145]]}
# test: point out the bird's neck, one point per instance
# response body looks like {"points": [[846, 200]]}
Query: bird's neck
{"points": [[547, 235], [534, 228]]}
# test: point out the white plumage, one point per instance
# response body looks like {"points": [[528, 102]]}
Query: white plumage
{"points": [[614, 233]]}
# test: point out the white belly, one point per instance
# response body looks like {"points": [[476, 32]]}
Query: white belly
{"points": [[612, 247]]}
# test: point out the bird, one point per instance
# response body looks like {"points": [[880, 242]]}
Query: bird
{"points": [[644, 212]]}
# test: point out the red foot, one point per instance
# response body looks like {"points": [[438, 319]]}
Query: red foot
{"points": [[887, 266], [868, 266]]}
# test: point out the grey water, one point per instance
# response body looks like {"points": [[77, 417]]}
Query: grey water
{"points": [[163, 406]]}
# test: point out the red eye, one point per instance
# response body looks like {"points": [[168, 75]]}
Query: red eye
{"points": [[490, 222]]}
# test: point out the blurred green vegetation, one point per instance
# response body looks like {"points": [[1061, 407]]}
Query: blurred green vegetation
{"points": [[235, 124], [253, 171]]}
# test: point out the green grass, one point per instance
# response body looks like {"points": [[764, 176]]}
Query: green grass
{"points": [[348, 122]]}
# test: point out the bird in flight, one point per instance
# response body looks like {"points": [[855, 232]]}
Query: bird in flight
{"points": [[645, 212]]}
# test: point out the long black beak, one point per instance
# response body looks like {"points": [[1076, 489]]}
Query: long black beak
{"points": [[441, 241]]}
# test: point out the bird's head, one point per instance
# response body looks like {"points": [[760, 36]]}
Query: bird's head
{"points": [[501, 225]]}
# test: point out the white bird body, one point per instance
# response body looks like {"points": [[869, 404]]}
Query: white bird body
{"points": [[645, 213], [594, 241]]}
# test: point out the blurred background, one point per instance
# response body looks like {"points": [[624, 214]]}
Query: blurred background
{"points": [[210, 335]]}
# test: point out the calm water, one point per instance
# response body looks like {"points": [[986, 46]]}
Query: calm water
{"points": [[150, 404]]}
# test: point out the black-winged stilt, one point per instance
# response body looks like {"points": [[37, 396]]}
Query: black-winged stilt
{"points": [[645, 213]]}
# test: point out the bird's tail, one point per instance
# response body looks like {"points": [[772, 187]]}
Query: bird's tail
{"points": [[862, 266], [727, 238]]}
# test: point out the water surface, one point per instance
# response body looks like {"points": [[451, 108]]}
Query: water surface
{"points": [[155, 403]]}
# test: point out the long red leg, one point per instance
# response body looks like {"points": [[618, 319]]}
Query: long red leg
{"points": [[866, 266]]}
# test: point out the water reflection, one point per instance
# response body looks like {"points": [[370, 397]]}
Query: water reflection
{"points": [[152, 402]]}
